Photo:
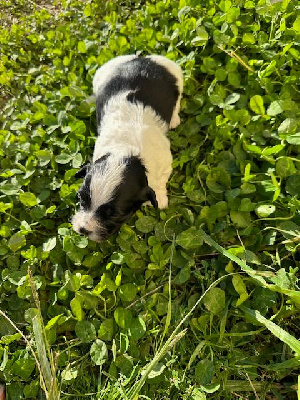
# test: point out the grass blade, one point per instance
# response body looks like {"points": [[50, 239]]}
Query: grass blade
{"points": [[169, 312], [293, 363], [43, 384], [280, 333], [41, 350], [295, 296], [133, 395]]}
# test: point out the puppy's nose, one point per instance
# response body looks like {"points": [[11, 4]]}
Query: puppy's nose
{"points": [[84, 231]]}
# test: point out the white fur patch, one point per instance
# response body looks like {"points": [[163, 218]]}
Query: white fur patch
{"points": [[105, 179], [123, 126]]}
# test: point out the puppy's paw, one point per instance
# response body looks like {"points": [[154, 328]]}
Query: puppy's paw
{"points": [[162, 200], [175, 121]]}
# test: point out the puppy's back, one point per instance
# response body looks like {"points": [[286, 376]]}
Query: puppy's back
{"points": [[153, 81]]}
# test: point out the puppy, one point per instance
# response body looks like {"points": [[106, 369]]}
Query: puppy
{"points": [[137, 101]]}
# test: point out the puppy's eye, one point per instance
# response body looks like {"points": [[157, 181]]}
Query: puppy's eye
{"points": [[109, 211], [105, 211]]}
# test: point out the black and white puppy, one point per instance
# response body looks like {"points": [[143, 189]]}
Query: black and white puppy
{"points": [[137, 101]]}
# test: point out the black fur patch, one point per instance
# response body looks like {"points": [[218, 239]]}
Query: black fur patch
{"points": [[84, 193], [84, 231], [152, 197], [83, 171], [149, 82], [127, 198], [102, 159]]}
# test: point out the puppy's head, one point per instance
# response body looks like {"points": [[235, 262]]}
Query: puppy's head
{"points": [[113, 189]]}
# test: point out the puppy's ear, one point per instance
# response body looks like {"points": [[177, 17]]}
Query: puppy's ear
{"points": [[83, 171], [152, 197]]}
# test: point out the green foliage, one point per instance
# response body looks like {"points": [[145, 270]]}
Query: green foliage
{"points": [[236, 177]]}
